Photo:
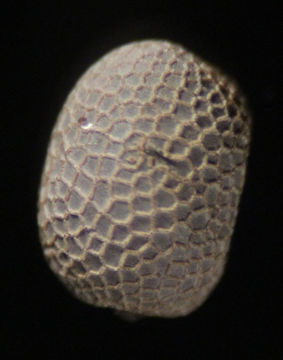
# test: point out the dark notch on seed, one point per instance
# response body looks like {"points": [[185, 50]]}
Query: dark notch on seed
{"points": [[159, 155]]}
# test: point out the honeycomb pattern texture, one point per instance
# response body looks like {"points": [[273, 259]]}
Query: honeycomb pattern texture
{"points": [[142, 180]]}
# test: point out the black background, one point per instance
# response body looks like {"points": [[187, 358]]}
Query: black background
{"points": [[46, 46]]}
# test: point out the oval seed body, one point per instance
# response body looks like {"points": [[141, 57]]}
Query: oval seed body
{"points": [[142, 180]]}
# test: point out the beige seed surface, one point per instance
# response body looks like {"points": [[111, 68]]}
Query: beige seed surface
{"points": [[142, 180]]}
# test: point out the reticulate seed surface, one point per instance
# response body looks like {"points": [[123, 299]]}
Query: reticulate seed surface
{"points": [[142, 180]]}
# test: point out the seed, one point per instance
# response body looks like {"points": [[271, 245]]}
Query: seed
{"points": [[140, 149]]}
